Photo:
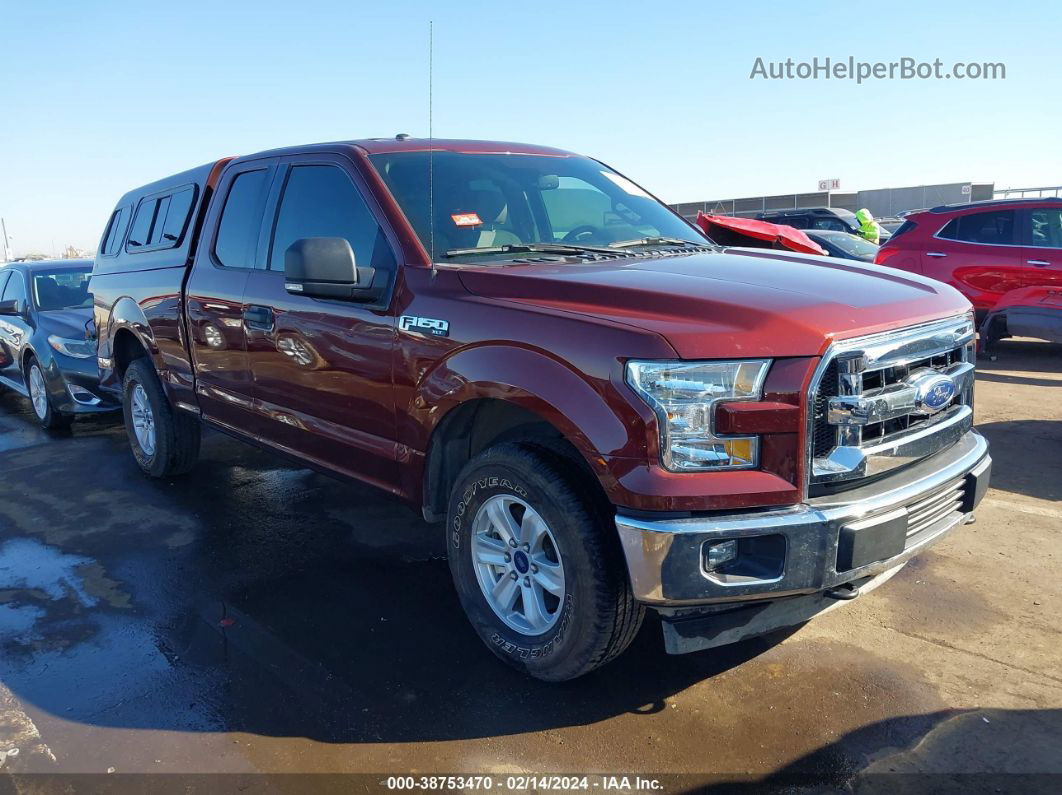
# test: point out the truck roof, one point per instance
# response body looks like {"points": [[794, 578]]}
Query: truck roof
{"points": [[372, 146], [404, 143]]}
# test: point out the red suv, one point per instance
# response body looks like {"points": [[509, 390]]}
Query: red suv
{"points": [[984, 249]]}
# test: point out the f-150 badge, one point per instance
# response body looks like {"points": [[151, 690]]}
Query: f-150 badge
{"points": [[425, 325]]}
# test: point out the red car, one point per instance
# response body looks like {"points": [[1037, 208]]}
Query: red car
{"points": [[985, 249]]}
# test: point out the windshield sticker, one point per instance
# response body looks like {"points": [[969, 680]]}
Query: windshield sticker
{"points": [[625, 184], [466, 219]]}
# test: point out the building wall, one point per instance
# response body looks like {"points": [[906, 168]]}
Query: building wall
{"points": [[882, 202]]}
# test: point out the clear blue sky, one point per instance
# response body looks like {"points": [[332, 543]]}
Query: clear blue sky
{"points": [[97, 98]]}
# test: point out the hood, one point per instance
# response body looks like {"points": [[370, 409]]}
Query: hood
{"points": [[722, 304], [69, 323]]}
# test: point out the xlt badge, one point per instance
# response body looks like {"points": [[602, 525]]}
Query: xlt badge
{"points": [[425, 325]]}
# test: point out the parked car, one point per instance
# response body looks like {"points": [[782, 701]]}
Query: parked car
{"points": [[808, 218], [844, 245], [729, 231], [603, 412], [890, 224], [984, 249], [1026, 312], [47, 342]]}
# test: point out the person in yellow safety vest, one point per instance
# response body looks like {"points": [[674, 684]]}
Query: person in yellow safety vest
{"points": [[868, 227]]}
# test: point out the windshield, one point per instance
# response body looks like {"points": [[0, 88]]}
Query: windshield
{"points": [[491, 201], [852, 245], [62, 289]]}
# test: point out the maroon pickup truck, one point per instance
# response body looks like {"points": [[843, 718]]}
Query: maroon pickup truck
{"points": [[605, 411]]}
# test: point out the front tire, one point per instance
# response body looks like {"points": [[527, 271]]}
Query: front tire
{"points": [[537, 566], [46, 414], [164, 442]]}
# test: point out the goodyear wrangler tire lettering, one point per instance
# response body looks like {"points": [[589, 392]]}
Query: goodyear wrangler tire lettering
{"points": [[569, 608]]}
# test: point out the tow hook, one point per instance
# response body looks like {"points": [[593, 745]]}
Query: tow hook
{"points": [[844, 592]]}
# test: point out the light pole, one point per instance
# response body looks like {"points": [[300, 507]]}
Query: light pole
{"points": [[7, 244]]}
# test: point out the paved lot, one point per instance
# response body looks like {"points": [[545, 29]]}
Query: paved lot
{"points": [[258, 617]]}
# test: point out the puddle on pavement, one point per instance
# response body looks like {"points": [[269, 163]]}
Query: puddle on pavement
{"points": [[27, 564], [47, 597], [18, 622]]}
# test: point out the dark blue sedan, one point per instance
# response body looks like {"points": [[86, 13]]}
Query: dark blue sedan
{"points": [[47, 340]]}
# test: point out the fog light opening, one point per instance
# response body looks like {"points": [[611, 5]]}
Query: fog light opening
{"points": [[720, 554]]}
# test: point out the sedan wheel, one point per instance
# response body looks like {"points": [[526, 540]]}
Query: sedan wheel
{"points": [[38, 392], [47, 416]]}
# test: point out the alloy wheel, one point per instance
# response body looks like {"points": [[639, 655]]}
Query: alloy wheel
{"points": [[143, 420], [38, 392], [518, 564]]}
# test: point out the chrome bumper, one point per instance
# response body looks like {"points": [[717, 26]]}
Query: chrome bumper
{"points": [[823, 543]]}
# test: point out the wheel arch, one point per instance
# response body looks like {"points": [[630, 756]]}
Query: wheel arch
{"points": [[487, 395], [128, 336], [126, 347]]}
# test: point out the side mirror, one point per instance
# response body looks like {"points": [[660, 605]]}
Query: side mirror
{"points": [[10, 307], [324, 267]]}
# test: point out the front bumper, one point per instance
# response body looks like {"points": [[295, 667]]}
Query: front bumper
{"points": [[829, 541], [74, 386]]}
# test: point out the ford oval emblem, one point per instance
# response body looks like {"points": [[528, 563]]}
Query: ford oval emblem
{"points": [[935, 393]]}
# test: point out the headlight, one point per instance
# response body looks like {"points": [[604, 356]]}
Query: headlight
{"points": [[684, 396], [79, 349]]}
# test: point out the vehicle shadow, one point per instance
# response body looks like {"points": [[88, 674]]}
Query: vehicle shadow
{"points": [[1018, 380], [1011, 443], [1021, 354], [254, 597], [960, 751]]}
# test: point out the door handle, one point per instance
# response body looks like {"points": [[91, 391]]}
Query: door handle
{"points": [[935, 254], [1039, 263], [260, 317]]}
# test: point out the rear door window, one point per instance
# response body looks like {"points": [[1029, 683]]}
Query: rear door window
{"points": [[995, 228], [236, 243], [1046, 227]]}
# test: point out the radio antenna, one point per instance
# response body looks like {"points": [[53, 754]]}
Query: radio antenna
{"points": [[431, 154]]}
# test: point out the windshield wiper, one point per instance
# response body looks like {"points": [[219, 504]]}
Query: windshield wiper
{"points": [[524, 248], [655, 241]]}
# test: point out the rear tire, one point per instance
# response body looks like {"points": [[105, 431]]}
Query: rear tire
{"points": [[164, 442], [46, 414], [569, 608]]}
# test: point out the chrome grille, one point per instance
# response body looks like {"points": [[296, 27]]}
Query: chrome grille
{"points": [[825, 435], [880, 379], [867, 411]]}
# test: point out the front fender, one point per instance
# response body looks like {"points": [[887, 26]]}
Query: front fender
{"points": [[586, 410]]}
